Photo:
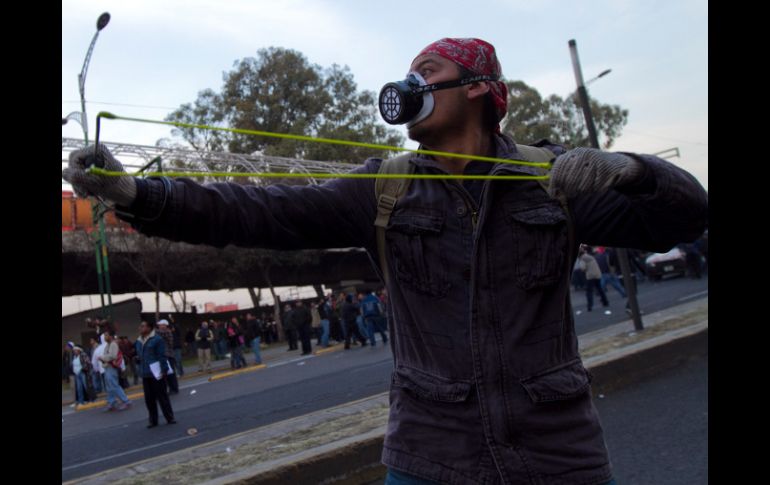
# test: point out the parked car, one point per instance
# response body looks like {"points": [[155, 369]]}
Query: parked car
{"points": [[660, 265]]}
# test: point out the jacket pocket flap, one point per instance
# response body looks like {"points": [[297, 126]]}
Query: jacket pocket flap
{"points": [[546, 214], [566, 381], [431, 387], [417, 222]]}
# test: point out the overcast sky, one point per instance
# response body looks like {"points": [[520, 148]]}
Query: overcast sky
{"points": [[156, 55]]}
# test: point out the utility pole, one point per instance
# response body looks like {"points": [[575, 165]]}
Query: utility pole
{"points": [[621, 252]]}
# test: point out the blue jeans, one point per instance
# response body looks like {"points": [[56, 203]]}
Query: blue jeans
{"points": [[236, 358], [325, 334], [362, 328], [114, 391], [80, 388], [395, 477], [400, 478], [374, 325], [179, 369], [96, 377], [255, 348], [614, 281]]}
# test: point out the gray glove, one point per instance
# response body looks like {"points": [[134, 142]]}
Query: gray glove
{"points": [[585, 170], [121, 190]]}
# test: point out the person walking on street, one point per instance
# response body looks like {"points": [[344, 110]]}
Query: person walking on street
{"points": [[81, 369], [253, 330], [371, 308], [234, 336], [112, 360], [177, 333], [301, 321], [350, 312], [605, 261], [98, 373], [165, 333], [203, 341], [593, 278], [189, 340], [129, 357], [220, 340], [315, 323], [324, 311], [154, 367], [288, 327]]}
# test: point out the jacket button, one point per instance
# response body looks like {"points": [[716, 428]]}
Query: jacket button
{"points": [[460, 210]]}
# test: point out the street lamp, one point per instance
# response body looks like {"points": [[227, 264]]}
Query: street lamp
{"points": [[575, 94], [101, 23], [601, 74], [102, 268]]}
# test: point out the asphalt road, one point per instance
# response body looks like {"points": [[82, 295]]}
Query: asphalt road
{"points": [[657, 430], [653, 296], [93, 441]]}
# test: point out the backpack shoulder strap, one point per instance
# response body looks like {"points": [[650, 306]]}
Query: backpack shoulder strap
{"points": [[540, 154], [387, 191]]}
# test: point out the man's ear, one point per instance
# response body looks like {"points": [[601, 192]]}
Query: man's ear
{"points": [[477, 89]]}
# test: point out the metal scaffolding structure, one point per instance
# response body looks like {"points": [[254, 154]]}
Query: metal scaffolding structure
{"points": [[181, 159]]}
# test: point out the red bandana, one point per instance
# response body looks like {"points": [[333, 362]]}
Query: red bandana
{"points": [[478, 57]]}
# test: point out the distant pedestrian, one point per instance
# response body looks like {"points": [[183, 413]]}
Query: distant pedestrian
{"points": [[189, 340], [203, 338], [177, 333], [593, 278], [301, 321], [372, 311], [81, 369], [129, 357], [350, 312], [315, 323], [154, 367], [98, 372], [163, 331], [112, 360], [234, 342], [324, 312], [608, 267], [289, 328], [253, 332]]}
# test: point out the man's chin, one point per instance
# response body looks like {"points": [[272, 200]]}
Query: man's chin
{"points": [[417, 133]]}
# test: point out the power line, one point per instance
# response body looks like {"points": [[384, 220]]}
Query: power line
{"points": [[667, 138]]}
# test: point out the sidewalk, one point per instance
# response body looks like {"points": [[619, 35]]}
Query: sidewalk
{"points": [[219, 369], [342, 444]]}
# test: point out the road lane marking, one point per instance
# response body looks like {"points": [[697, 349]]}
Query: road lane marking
{"points": [[130, 452], [694, 295]]}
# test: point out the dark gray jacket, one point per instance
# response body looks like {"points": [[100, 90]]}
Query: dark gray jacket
{"points": [[488, 385]]}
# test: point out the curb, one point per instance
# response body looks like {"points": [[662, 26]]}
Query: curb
{"points": [[231, 373], [103, 402], [332, 348]]}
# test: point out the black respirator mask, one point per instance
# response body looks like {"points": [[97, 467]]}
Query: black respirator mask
{"points": [[410, 101]]}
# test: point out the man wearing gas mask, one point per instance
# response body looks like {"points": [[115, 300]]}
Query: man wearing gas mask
{"points": [[488, 385]]}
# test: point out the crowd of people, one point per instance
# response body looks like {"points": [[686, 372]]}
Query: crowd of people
{"points": [[111, 363]]}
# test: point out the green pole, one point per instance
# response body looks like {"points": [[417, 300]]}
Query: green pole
{"points": [[98, 248], [105, 265]]}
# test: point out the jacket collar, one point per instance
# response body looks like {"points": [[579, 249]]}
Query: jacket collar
{"points": [[504, 148], [149, 336]]}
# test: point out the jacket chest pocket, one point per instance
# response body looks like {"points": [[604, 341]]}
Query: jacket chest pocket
{"points": [[417, 251], [539, 243]]}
